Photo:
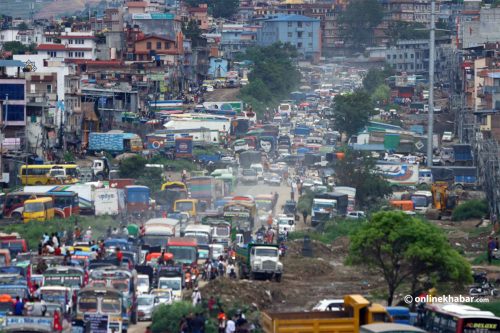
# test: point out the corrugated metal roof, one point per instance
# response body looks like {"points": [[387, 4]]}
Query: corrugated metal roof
{"points": [[294, 17], [11, 63]]}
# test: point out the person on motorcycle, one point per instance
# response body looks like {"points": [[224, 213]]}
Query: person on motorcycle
{"points": [[282, 249]]}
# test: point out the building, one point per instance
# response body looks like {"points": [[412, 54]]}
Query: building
{"points": [[408, 10], [301, 31], [477, 32], [160, 48], [236, 38], [74, 45], [200, 16]]}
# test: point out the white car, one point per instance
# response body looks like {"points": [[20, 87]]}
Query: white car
{"points": [[447, 136], [210, 88], [355, 215], [329, 305], [142, 284]]}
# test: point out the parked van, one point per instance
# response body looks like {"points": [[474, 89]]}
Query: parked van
{"points": [[40, 209]]}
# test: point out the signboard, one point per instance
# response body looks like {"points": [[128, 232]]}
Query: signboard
{"points": [[98, 322], [37, 321], [153, 16], [157, 77], [184, 147], [237, 214]]}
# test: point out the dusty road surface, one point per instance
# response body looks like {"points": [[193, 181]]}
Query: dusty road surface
{"points": [[140, 327], [222, 95]]}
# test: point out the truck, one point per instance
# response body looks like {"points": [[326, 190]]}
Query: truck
{"points": [[115, 142], [86, 194], [460, 176], [247, 158], [351, 196], [399, 174], [137, 198], [206, 189], [109, 201], [328, 205], [259, 260], [354, 312]]}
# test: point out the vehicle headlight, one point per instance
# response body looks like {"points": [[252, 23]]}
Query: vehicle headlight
{"points": [[280, 266]]}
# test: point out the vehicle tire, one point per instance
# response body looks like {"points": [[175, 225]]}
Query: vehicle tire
{"points": [[494, 292], [458, 187], [277, 277], [17, 216]]}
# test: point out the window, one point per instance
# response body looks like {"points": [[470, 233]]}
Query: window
{"points": [[310, 45], [70, 54], [412, 56], [15, 113], [299, 24], [406, 55], [32, 88], [309, 34], [400, 56], [388, 57], [49, 89], [158, 45], [289, 24], [411, 66], [290, 35], [299, 45], [167, 46], [393, 56], [70, 41], [47, 39], [148, 45], [52, 54], [299, 34]]}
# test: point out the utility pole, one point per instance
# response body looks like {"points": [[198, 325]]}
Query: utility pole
{"points": [[2, 127], [430, 128]]}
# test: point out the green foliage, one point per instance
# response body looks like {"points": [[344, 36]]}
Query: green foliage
{"points": [[376, 77], [304, 205], [356, 170], [152, 178], [69, 156], [33, 231], [359, 21], [18, 48], [332, 231], [273, 75], [174, 165], [218, 8], [166, 318], [399, 30], [381, 94], [351, 112], [405, 249], [132, 167], [23, 26], [470, 209], [192, 31], [482, 259]]}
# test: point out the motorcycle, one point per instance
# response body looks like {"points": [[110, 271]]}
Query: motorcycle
{"points": [[486, 289]]}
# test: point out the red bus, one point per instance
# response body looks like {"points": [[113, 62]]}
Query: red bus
{"points": [[457, 318], [184, 250], [65, 203]]}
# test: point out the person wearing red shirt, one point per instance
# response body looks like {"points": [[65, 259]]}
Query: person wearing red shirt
{"points": [[119, 255]]}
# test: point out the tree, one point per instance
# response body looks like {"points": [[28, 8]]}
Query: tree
{"points": [[192, 31], [23, 26], [381, 94], [375, 77], [351, 112], [359, 21], [405, 249], [356, 170], [398, 30], [15, 47], [218, 8], [304, 205], [132, 167], [166, 318]]}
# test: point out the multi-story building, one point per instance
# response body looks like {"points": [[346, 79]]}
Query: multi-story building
{"points": [[301, 31], [13, 100], [408, 10], [200, 16], [235, 38], [74, 45]]}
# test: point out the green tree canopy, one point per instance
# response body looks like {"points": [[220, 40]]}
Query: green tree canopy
{"points": [[192, 31], [23, 26], [18, 48], [273, 75], [132, 167], [304, 205], [356, 170], [375, 77], [218, 8], [351, 112], [405, 249], [381, 94], [359, 21]]}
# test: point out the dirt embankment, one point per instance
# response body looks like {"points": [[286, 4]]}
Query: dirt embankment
{"points": [[305, 281]]}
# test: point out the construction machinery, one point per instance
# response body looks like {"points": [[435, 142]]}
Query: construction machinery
{"points": [[443, 201]]}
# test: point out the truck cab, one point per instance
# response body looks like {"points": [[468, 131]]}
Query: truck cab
{"points": [[260, 260]]}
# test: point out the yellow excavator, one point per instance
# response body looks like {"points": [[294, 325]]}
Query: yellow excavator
{"points": [[443, 201]]}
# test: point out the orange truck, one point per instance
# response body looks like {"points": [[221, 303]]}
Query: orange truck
{"points": [[355, 312]]}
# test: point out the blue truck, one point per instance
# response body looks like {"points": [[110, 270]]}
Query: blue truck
{"points": [[460, 176], [115, 142]]}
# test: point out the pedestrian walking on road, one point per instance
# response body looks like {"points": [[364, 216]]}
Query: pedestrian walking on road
{"points": [[491, 248], [196, 296]]}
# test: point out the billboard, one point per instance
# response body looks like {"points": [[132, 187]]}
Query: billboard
{"points": [[184, 147]]}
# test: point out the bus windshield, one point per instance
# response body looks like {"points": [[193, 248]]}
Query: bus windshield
{"points": [[183, 253], [201, 238], [87, 304], [170, 284], [111, 305], [184, 206], [33, 207]]}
